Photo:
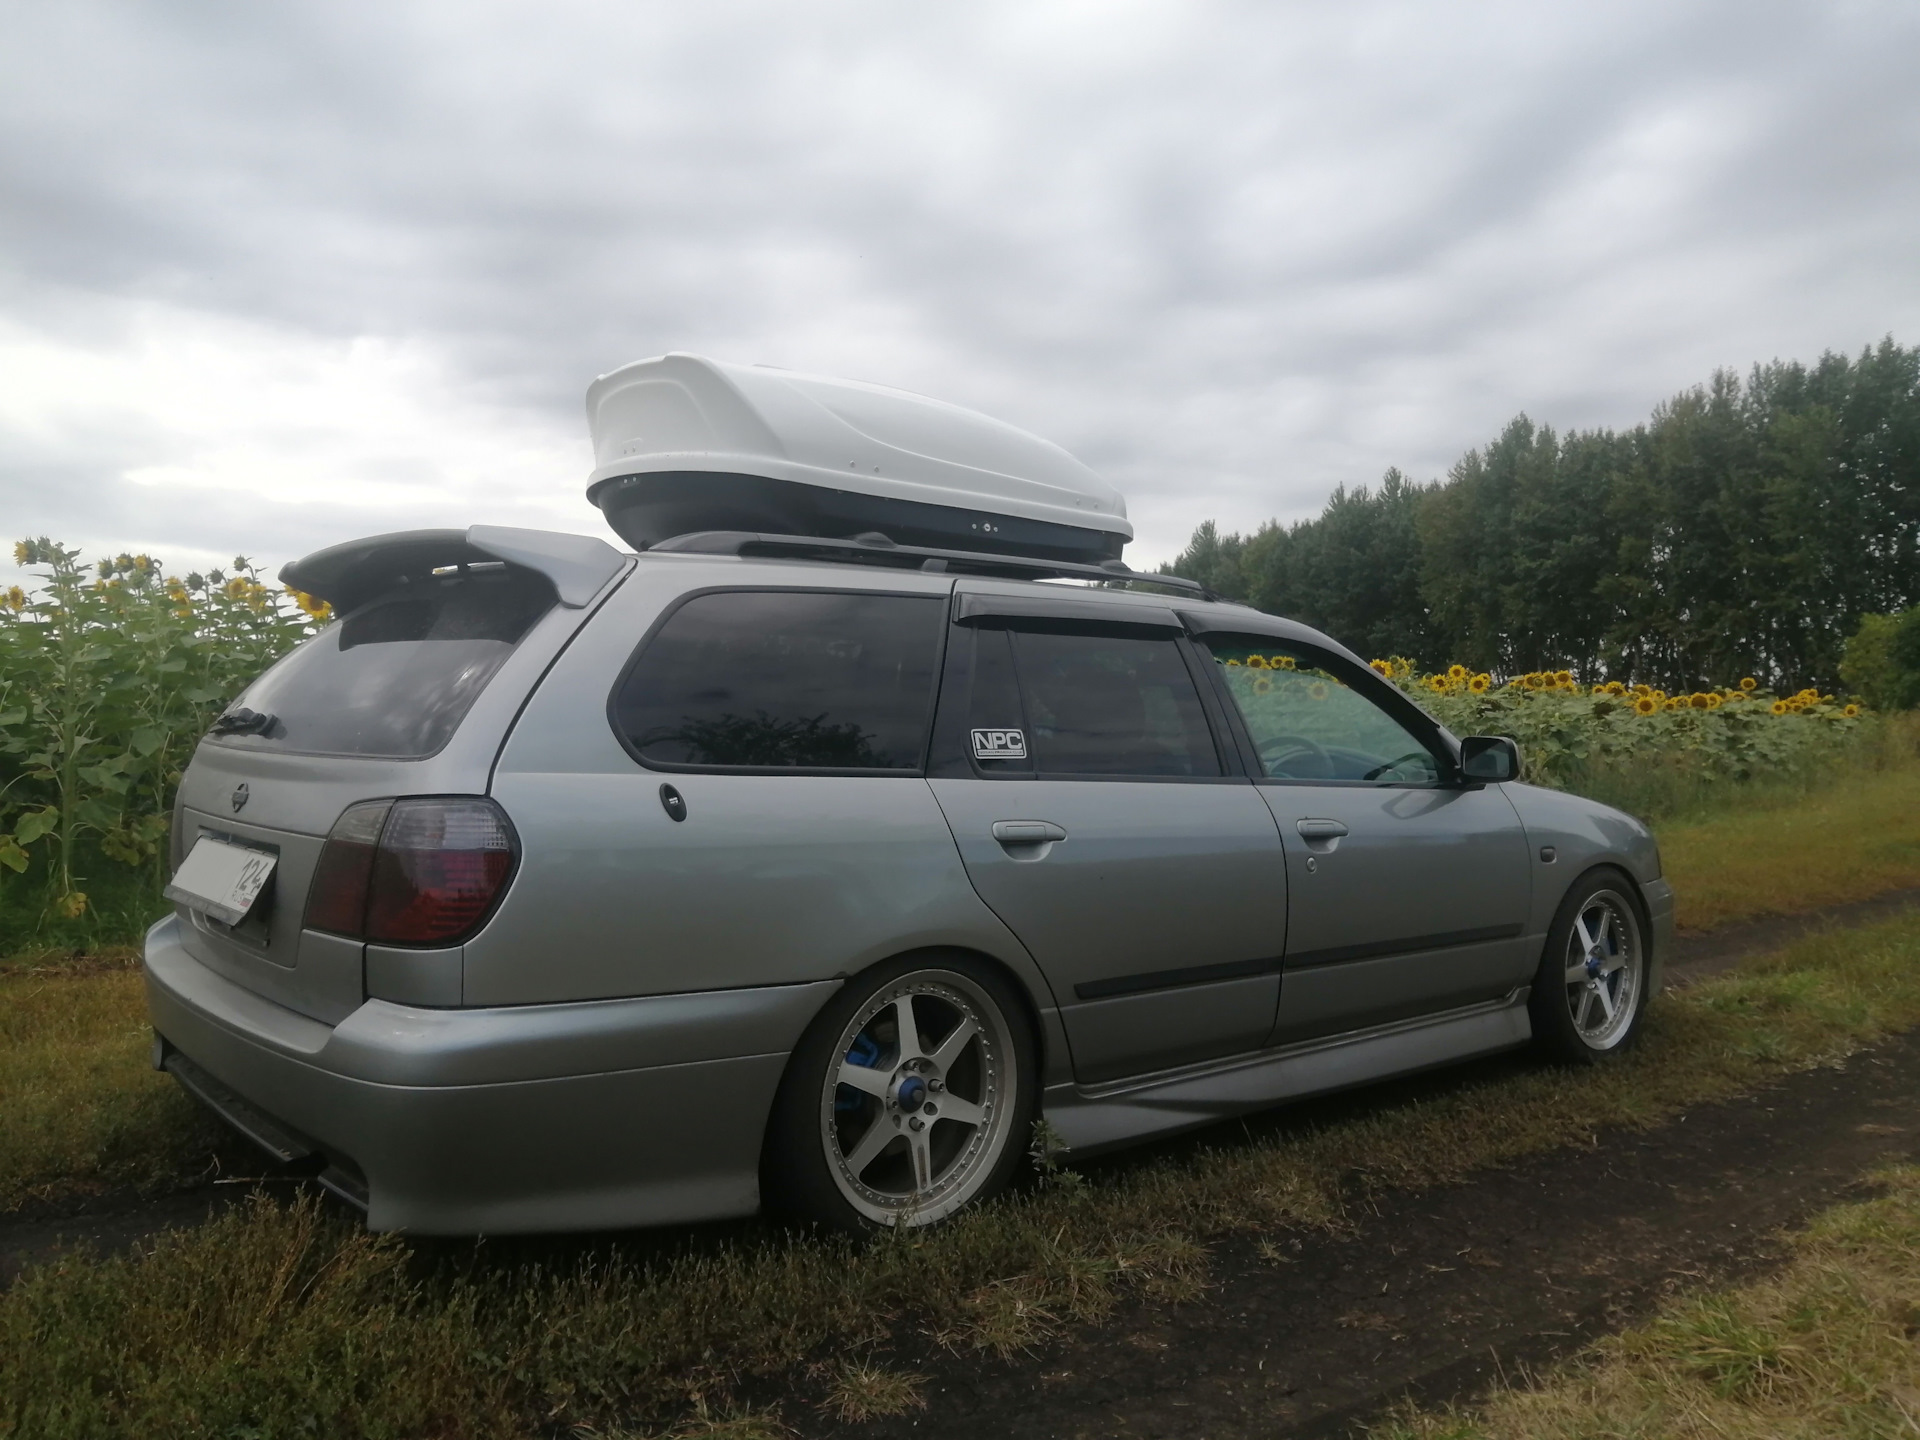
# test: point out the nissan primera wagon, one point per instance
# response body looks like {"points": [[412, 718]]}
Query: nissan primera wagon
{"points": [[552, 887]]}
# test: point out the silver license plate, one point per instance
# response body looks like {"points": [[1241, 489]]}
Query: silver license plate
{"points": [[221, 880]]}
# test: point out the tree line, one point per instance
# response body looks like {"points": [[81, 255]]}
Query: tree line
{"points": [[1745, 528]]}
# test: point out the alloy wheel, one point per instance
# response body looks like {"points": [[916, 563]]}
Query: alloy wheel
{"points": [[915, 1112], [1605, 968]]}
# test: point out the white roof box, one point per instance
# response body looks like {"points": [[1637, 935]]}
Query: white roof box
{"points": [[682, 444]]}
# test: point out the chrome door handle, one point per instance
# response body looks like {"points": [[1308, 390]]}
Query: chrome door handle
{"points": [[1027, 832], [1320, 829]]}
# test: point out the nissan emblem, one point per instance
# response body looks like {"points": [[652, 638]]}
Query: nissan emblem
{"points": [[239, 797]]}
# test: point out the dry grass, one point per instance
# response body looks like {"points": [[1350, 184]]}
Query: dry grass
{"points": [[1826, 1348], [1855, 835], [277, 1317], [83, 1110], [862, 1390]]}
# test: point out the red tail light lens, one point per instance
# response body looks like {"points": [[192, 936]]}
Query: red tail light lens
{"points": [[440, 866], [412, 872]]}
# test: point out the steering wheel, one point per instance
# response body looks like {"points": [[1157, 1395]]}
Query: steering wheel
{"points": [[1277, 750], [1391, 765]]}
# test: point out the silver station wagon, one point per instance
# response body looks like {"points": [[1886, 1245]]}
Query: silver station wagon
{"points": [[870, 814]]}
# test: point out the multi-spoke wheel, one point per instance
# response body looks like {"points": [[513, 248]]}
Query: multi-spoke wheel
{"points": [[909, 1097], [1591, 987]]}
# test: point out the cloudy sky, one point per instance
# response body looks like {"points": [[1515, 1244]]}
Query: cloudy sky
{"points": [[272, 276]]}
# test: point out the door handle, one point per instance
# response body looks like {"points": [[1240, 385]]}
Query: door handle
{"points": [[1027, 832], [1321, 834]]}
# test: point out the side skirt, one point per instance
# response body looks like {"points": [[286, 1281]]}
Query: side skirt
{"points": [[1091, 1119]]}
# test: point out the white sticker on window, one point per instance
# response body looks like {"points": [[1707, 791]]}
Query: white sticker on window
{"points": [[999, 745]]}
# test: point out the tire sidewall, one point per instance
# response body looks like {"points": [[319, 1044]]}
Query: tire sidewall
{"points": [[795, 1177], [1553, 1027]]}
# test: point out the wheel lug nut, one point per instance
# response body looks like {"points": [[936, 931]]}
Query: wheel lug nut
{"points": [[916, 1123]]}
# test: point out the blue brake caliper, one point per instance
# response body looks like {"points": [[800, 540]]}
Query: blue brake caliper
{"points": [[866, 1054]]}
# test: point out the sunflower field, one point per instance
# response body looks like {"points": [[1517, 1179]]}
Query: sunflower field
{"points": [[109, 675], [1568, 732]]}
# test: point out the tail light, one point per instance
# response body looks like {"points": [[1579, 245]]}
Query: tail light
{"points": [[412, 872]]}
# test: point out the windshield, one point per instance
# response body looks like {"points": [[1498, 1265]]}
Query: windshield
{"points": [[396, 677]]}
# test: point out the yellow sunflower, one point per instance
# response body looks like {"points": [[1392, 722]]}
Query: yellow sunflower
{"points": [[1262, 685], [1749, 683], [1645, 705], [1851, 711], [1779, 707], [1256, 662], [1456, 672], [1563, 677], [1382, 668], [1480, 684], [1437, 684], [1283, 662], [1317, 690]]}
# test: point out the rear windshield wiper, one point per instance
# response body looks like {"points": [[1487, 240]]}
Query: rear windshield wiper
{"points": [[242, 721]]}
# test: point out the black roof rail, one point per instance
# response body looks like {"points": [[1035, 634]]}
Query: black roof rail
{"points": [[873, 548]]}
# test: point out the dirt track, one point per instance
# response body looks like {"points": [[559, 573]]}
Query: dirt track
{"points": [[1436, 1292]]}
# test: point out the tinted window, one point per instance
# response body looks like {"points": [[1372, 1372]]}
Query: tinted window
{"points": [[1109, 704], [996, 721], [1307, 723], [786, 679], [398, 675]]}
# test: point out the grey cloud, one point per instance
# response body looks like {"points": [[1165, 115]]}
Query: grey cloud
{"points": [[1232, 254]]}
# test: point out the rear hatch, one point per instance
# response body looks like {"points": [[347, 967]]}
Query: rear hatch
{"points": [[411, 692]]}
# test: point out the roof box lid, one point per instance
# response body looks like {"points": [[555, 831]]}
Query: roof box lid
{"points": [[686, 416]]}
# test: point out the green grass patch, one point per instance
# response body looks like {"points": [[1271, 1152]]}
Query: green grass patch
{"points": [[83, 1109], [280, 1320], [1854, 835], [1826, 1348]]}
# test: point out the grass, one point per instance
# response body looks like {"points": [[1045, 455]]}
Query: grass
{"points": [[280, 1316], [83, 1109], [1855, 835], [1825, 1348]]}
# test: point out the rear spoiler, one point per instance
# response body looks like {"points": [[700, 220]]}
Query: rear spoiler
{"points": [[347, 575]]}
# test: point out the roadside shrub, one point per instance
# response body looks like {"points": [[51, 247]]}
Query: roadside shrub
{"points": [[1882, 661]]}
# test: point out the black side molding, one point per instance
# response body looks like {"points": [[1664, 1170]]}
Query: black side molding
{"points": [[1306, 959], [1340, 954], [1172, 979]]}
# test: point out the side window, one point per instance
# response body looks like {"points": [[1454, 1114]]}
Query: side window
{"points": [[786, 680], [997, 731], [1110, 703], [1308, 724]]}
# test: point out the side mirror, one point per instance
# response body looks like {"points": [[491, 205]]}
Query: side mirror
{"points": [[1489, 758]]}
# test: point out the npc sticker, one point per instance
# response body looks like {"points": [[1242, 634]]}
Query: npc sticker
{"points": [[999, 745]]}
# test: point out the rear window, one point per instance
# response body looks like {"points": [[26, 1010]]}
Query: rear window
{"points": [[785, 680], [397, 676]]}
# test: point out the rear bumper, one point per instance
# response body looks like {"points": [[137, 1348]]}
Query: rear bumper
{"points": [[1659, 897], [591, 1115]]}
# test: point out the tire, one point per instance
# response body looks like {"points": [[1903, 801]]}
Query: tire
{"points": [[923, 1129], [1591, 988]]}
